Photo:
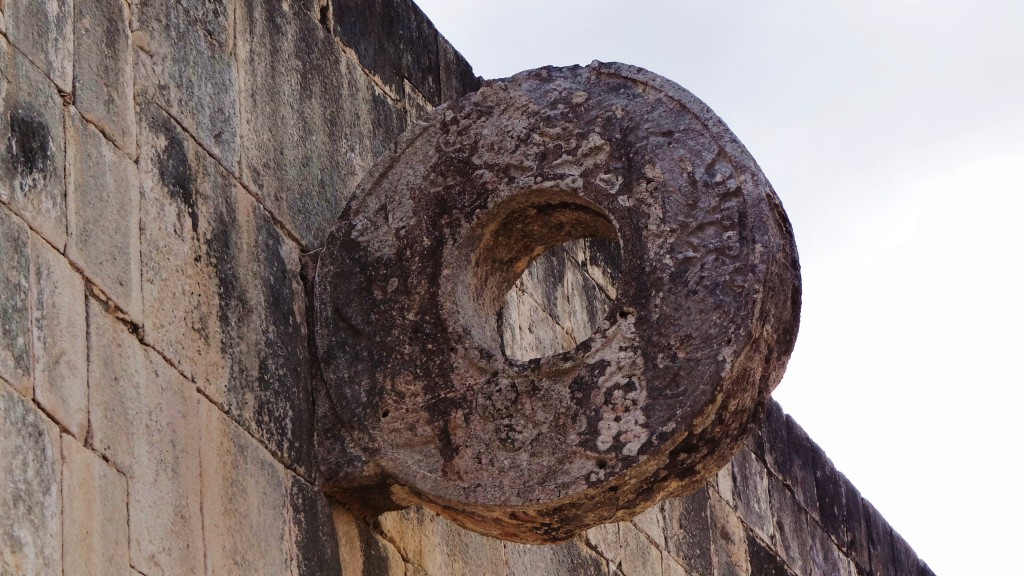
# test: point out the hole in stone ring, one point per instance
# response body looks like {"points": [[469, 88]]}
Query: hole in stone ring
{"points": [[543, 275], [560, 299]]}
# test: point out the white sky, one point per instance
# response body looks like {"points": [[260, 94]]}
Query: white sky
{"points": [[893, 130]]}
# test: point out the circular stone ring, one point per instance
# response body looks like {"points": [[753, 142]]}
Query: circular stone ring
{"points": [[424, 407]]}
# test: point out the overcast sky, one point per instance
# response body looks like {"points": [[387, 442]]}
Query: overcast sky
{"points": [[893, 131]]}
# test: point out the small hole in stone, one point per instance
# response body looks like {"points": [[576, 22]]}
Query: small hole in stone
{"points": [[385, 413], [560, 299], [623, 314], [602, 464], [613, 489]]}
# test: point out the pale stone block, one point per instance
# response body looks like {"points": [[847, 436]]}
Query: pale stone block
{"points": [[362, 551], [144, 418], [305, 160], [223, 299], [751, 492], [95, 513], [570, 558], [640, 557], [30, 484], [729, 545], [180, 66], [103, 69], [652, 523], [670, 567], [32, 134], [15, 330], [245, 500], [103, 218], [439, 547], [44, 30], [605, 539], [58, 339]]}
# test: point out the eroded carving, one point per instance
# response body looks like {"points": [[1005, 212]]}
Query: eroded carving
{"points": [[419, 404]]}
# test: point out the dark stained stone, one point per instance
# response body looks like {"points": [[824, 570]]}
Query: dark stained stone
{"points": [[15, 351], [763, 560], [688, 532], [316, 543]]}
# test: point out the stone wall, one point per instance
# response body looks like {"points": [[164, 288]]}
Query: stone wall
{"points": [[164, 165]]}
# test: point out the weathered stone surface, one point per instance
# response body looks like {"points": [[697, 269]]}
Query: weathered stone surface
{"points": [[804, 454], [191, 76], [304, 160], [222, 290], [363, 552], [856, 529], [790, 527], [103, 69], [777, 453], [729, 545], [457, 77], [560, 299], [58, 339], [751, 490], [640, 557], [245, 501], [103, 215], [688, 532], [439, 547], [570, 558], [217, 17], [15, 328], [95, 513], [44, 30], [393, 40], [32, 134], [30, 478], [763, 560], [830, 487], [311, 525], [880, 542], [144, 418], [650, 405]]}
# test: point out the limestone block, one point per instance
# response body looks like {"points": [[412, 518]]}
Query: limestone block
{"points": [[773, 435], [59, 339], [305, 159], [192, 76], [222, 290], [30, 479], [804, 457], [605, 539], [880, 542], [32, 134], [764, 561], [688, 531], [640, 557], [311, 524], [571, 558], [670, 567], [824, 556], [245, 501], [103, 69], [95, 513], [790, 527], [393, 39], [652, 523], [15, 343], [751, 491], [144, 418], [725, 484], [217, 17], [830, 486], [729, 547], [44, 30], [363, 552], [103, 218], [457, 77], [856, 529], [439, 547]]}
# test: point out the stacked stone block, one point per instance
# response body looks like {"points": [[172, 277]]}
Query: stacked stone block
{"points": [[164, 164]]}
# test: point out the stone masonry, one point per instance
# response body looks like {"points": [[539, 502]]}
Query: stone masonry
{"points": [[164, 165]]}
